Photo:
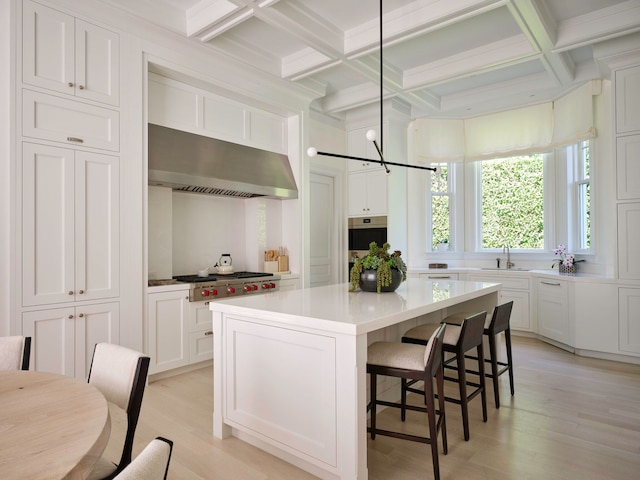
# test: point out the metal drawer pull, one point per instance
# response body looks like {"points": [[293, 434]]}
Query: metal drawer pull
{"points": [[70, 84], [75, 139], [551, 283], [81, 315], [80, 292], [70, 292], [208, 333], [441, 276], [81, 87]]}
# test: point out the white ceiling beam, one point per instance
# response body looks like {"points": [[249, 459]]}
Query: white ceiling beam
{"points": [[540, 29], [600, 25], [206, 15]]}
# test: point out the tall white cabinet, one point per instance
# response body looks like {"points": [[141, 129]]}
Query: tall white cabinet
{"points": [[69, 182], [627, 144], [367, 180]]}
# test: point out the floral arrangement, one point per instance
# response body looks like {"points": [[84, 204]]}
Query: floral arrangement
{"points": [[381, 260], [566, 259]]}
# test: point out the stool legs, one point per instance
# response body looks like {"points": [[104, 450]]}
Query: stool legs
{"points": [[507, 336], [495, 365], [462, 384]]}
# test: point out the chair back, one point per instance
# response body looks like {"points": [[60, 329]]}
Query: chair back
{"points": [[500, 318], [15, 353], [433, 353], [121, 374], [471, 331], [151, 464]]}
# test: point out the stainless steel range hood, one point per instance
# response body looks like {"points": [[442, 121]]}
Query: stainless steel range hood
{"points": [[198, 164]]}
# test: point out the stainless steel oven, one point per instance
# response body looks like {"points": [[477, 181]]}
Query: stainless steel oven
{"points": [[364, 230]]}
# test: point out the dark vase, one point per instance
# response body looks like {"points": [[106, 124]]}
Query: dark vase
{"points": [[369, 281], [570, 270]]}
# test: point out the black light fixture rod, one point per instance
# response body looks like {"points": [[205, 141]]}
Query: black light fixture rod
{"points": [[381, 162], [381, 90]]}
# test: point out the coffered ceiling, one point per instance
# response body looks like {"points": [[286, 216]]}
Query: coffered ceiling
{"points": [[443, 58]]}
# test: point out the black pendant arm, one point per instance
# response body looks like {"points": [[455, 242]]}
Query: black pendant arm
{"points": [[381, 162]]}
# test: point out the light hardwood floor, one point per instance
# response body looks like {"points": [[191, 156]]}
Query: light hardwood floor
{"points": [[571, 418]]}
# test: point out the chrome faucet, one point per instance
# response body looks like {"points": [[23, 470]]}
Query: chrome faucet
{"points": [[505, 249]]}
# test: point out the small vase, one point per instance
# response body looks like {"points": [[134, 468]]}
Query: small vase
{"points": [[564, 270], [369, 281]]}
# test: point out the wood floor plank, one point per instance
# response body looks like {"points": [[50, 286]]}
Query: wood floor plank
{"points": [[571, 418]]}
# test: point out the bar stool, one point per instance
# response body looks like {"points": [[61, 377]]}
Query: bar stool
{"points": [[413, 362], [458, 340]]}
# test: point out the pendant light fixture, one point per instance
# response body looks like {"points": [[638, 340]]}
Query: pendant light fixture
{"points": [[371, 134]]}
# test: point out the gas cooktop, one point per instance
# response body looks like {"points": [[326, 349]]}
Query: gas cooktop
{"points": [[214, 277]]}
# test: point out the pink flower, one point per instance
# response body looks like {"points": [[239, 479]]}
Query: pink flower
{"points": [[560, 250], [569, 260]]}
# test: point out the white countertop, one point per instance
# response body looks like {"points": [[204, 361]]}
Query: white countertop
{"points": [[333, 308]]}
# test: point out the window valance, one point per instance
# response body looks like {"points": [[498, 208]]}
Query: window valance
{"points": [[515, 132]]}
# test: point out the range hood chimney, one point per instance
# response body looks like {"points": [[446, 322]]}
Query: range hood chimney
{"points": [[197, 164]]}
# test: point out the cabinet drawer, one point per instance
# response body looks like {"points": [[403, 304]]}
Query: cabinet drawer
{"points": [[69, 122], [200, 346]]}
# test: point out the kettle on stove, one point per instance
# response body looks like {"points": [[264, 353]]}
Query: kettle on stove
{"points": [[225, 264]]}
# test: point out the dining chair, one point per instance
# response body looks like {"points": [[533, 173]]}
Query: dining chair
{"points": [[458, 340], [120, 374], [151, 464], [15, 353], [411, 363]]}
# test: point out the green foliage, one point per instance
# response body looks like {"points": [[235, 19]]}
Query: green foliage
{"points": [[381, 260], [513, 203]]}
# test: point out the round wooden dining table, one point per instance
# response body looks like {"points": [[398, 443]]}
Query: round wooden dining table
{"points": [[51, 426]]}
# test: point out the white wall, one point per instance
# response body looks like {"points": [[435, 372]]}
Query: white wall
{"points": [[5, 166]]}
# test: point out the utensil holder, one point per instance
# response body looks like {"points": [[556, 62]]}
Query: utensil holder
{"points": [[283, 263], [271, 266]]}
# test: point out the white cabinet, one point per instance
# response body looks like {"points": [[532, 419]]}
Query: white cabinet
{"points": [[628, 235], [200, 332], [628, 167], [553, 310], [596, 316], [629, 319], [368, 193], [70, 225], [177, 105], [359, 146], [179, 332], [168, 327], [514, 288], [63, 339], [70, 122], [70, 56], [627, 99]]}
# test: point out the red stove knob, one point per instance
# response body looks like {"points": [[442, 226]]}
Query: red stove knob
{"points": [[206, 293], [273, 285], [214, 292], [255, 287], [266, 286], [247, 288], [231, 290]]}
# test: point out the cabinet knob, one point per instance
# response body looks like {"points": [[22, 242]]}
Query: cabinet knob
{"points": [[208, 333], [70, 292], [70, 316], [80, 292], [70, 84], [81, 87], [81, 315]]}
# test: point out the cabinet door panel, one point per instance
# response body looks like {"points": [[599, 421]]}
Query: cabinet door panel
{"points": [[553, 310], [629, 320], [48, 44], [52, 340], [97, 226], [47, 225], [628, 167], [628, 234], [168, 341], [94, 324], [377, 192], [200, 346], [627, 85], [97, 63], [69, 121], [199, 316]]}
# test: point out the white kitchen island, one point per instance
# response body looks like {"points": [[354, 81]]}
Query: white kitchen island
{"points": [[290, 366]]}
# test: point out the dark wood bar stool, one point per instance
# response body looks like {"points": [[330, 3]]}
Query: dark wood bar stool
{"points": [[458, 340], [411, 362]]}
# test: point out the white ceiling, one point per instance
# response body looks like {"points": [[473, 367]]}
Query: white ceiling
{"points": [[442, 57]]}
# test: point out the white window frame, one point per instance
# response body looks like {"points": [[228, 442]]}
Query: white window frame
{"points": [[456, 202]]}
